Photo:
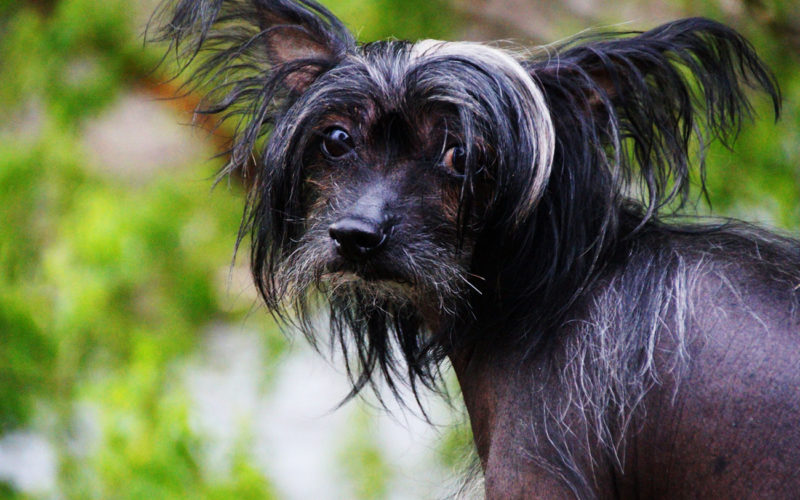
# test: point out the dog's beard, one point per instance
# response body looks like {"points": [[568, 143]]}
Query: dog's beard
{"points": [[415, 276], [391, 315]]}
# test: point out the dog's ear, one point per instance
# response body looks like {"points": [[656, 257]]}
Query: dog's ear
{"points": [[258, 57], [303, 38], [299, 39], [629, 105]]}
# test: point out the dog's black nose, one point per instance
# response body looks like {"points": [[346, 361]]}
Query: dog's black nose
{"points": [[357, 238]]}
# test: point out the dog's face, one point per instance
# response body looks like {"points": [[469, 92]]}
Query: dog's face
{"points": [[380, 194], [385, 168]]}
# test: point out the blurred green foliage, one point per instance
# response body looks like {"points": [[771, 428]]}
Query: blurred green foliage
{"points": [[103, 284], [364, 461], [106, 285], [759, 177]]}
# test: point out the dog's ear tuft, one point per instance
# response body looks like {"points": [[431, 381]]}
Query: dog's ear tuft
{"points": [[258, 57], [633, 103], [302, 37], [295, 37]]}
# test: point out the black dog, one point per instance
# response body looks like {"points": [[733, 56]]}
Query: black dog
{"points": [[515, 213]]}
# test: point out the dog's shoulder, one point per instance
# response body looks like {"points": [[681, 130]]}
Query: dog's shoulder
{"points": [[714, 312], [742, 256]]}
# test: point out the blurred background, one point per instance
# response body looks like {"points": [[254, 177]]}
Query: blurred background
{"points": [[135, 361]]}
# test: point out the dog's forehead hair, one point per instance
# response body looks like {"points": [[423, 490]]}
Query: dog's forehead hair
{"points": [[419, 82]]}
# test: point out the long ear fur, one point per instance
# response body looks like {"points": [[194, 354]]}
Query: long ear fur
{"points": [[261, 55], [628, 106], [625, 107]]}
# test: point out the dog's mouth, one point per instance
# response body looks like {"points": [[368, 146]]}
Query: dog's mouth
{"points": [[379, 283], [342, 270]]}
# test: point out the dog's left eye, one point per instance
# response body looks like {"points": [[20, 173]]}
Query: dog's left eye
{"points": [[455, 160], [336, 143]]}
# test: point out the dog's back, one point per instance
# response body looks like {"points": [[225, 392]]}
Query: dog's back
{"points": [[725, 342], [677, 375], [733, 422]]}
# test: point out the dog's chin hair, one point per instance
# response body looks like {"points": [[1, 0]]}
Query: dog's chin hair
{"points": [[384, 290], [371, 318], [437, 289]]}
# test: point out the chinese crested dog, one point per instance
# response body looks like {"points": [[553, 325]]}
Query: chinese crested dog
{"points": [[516, 213]]}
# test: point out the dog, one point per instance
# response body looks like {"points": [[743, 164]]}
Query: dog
{"points": [[518, 214]]}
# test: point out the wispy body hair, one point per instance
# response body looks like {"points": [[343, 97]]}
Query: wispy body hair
{"points": [[656, 301]]}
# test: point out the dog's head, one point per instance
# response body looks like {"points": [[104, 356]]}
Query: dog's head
{"points": [[416, 186], [380, 173]]}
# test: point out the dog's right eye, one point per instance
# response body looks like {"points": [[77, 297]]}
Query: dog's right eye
{"points": [[336, 143], [455, 160]]}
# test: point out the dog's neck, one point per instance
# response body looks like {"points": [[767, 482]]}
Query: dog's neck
{"points": [[502, 391], [500, 413], [478, 373]]}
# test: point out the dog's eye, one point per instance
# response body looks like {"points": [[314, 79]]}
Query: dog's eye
{"points": [[455, 160], [336, 143]]}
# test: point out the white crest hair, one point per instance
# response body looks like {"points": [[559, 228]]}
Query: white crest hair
{"points": [[537, 118]]}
